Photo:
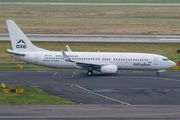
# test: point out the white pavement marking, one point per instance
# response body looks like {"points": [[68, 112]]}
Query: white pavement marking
{"points": [[125, 103], [55, 74], [103, 95]]}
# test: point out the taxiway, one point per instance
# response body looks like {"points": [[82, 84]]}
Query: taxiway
{"points": [[127, 87], [127, 95]]}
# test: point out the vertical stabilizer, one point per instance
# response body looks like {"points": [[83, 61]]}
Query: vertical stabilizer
{"points": [[19, 40]]}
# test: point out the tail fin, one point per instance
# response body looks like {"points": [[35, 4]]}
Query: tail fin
{"points": [[19, 40]]}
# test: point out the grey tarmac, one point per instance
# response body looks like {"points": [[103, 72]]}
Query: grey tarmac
{"points": [[126, 87], [126, 95], [98, 38], [86, 112]]}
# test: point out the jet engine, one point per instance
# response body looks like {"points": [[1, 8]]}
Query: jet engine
{"points": [[109, 69]]}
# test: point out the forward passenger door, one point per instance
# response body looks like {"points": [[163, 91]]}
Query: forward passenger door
{"points": [[155, 60]]}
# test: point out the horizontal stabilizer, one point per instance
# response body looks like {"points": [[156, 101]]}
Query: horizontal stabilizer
{"points": [[13, 52]]}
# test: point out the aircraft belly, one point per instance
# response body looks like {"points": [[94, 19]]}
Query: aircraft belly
{"points": [[24, 59], [60, 64]]}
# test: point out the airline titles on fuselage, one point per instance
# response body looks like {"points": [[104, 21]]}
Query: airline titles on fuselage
{"points": [[139, 64]]}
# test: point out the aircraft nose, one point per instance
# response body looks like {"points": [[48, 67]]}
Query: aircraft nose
{"points": [[172, 64]]}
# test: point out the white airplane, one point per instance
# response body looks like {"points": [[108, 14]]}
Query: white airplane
{"points": [[105, 62]]}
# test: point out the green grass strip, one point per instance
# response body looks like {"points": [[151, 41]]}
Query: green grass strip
{"points": [[31, 96], [31, 68], [97, 1]]}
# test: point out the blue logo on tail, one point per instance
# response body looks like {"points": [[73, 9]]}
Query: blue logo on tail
{"points": [[21, 43]]}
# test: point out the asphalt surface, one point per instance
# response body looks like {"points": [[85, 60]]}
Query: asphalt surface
{"points": [[126, 95], [84, 112], [46, 3], [127, 87], [98, 38]]}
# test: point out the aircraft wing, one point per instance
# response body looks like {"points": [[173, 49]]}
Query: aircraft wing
{"points": [[92, 66], [68, 48], [13, 52], [82, 65], [66, 57]]}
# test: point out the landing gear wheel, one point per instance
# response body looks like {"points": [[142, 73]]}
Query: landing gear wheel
{"points": [[89, 73], [157, 74]]}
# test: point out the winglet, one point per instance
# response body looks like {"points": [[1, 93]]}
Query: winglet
{"points": [[68, 48], [66, 57]]}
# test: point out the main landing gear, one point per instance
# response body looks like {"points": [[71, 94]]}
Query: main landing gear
{"points": [[157, 74], [90, 72]]}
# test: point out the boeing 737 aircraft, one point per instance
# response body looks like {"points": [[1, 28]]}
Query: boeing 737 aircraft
{"points": [[105, 62]]}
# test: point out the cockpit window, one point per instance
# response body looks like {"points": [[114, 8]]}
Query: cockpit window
{"points": [[165, 59]]}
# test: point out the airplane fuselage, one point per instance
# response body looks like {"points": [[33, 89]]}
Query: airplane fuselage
{"points": [[124, 61]]}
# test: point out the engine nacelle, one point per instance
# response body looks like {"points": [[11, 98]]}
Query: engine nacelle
{"points": [[109, 69]]}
